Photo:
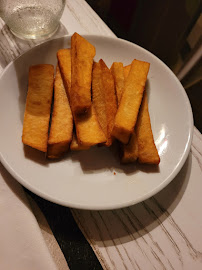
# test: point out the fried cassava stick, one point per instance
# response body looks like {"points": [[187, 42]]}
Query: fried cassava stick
{"points": [[82, 54], [104, 98], [147, 152], [126, 71], [141, 145], [61, 127], [38, 106], [127, 113]]}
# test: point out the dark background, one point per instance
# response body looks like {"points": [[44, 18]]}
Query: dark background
{"points": [[158, 26], [167, 28]]}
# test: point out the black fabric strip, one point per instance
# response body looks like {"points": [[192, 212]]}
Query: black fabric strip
{"points": [[76, 249]]}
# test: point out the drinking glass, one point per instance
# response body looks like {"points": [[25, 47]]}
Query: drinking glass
{"points": [[32, 19]]}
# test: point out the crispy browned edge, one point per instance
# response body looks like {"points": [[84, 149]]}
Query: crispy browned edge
{"points": [[110, 99], [82, 54], [98, 97], [61, 127], [38, 106], [117, 71], [57, 150]]}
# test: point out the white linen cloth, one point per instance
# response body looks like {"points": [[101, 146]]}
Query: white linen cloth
{"points": [[23, 245]]}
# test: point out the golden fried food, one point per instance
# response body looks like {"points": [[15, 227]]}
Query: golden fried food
{"points": [[110, 99], [130, 150], [75, 146], [64, 61], [118, 108], [61, 127], [98, 97], [84, 124], [127, 113], [82, 54], [117, 71], [38, 106], [126, 71], [104, 98], [147, 152], [88, 129]]}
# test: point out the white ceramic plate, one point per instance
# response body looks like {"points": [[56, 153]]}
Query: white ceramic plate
{"points": [[94, 179]]}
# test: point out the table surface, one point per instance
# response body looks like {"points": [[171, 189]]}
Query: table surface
{"points": [[163, 232]]}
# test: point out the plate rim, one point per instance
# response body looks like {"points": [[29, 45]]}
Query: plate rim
{"points": [[117, 205]]}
